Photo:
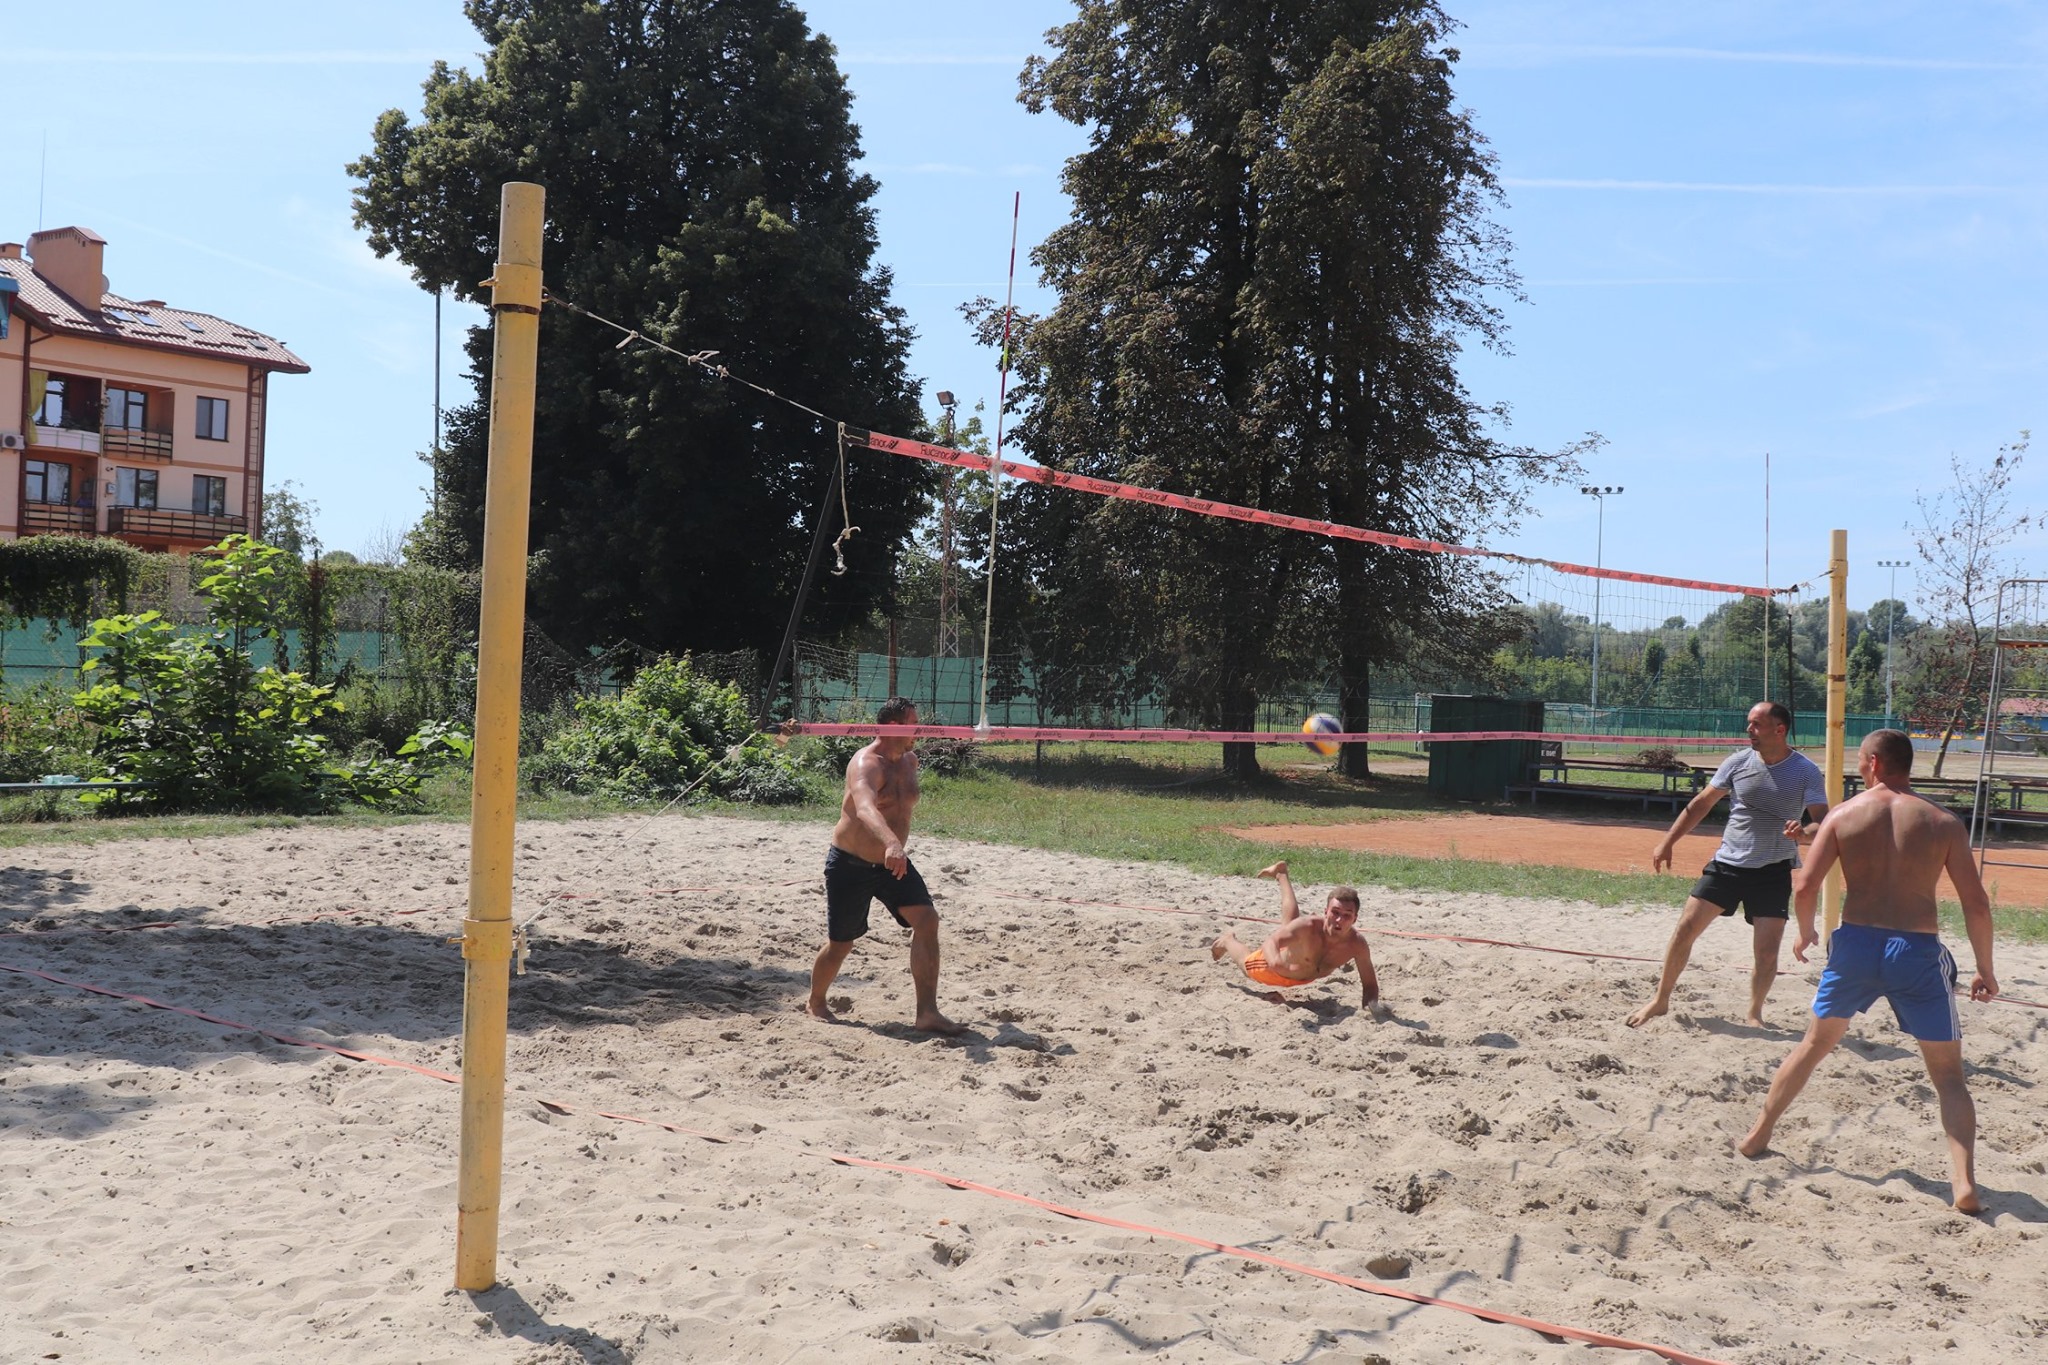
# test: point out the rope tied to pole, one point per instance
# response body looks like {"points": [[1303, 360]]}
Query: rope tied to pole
{"points": [[845, 513]]}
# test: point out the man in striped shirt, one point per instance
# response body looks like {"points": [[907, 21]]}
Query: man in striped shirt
{"points": [[1778, 793]]}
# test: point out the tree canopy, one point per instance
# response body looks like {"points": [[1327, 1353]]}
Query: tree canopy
{"points": [[699, 167], [1280, 242]]}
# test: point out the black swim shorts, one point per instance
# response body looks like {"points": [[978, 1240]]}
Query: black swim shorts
{"points": [[1759, 892], [851, 883]]}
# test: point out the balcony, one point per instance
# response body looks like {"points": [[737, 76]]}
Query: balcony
{"points": [[134, 443], [156, 523], [64, 438], [56, 516]]}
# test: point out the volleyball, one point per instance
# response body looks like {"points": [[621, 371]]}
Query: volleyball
{"points": [[1322, 723]]}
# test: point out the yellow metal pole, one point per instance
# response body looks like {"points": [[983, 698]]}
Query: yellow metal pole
{"points": [[487, 933], [1838, 710]]}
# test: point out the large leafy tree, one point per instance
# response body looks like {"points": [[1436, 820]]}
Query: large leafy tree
{"points": [[698, 160], [1280, 242]]}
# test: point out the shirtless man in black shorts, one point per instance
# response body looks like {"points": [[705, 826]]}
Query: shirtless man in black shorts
{"points": [[867, 863]]}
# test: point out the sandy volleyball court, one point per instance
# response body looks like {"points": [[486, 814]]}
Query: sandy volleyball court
{"points": [[185, 1190]]}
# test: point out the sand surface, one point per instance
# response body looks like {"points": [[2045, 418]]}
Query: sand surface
{"points": [[191, 1191]]}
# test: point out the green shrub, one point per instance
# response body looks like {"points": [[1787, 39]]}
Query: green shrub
{"points": [[192, 716], [670, 732], [41, 732]]}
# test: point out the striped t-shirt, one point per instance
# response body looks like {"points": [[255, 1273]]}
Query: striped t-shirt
{"points": [[1762, 797]]}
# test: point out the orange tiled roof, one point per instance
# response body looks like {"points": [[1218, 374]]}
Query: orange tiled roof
{"points": [[152, 324]]}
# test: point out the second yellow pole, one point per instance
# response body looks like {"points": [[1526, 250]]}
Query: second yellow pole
{"points": [[487, 933], [1838, 710]]}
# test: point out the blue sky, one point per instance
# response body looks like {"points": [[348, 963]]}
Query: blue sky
{"points": [[1815, 230]]}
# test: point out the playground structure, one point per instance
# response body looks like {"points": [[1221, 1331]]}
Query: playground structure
{"points": [[2014, 738]]}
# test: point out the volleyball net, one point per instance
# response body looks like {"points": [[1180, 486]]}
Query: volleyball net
{"points": [[1616, 656]]}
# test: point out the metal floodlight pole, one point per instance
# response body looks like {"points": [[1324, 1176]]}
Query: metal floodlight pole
{"points": [[1891, 619], [1599, 493], [487, 932]]}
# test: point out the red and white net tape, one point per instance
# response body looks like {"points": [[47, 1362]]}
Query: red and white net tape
{"points": [[1003, 733], [1031, 473]]}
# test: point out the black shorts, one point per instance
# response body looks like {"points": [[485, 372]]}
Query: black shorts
{"points": [[1758, 892], [851, 883]]}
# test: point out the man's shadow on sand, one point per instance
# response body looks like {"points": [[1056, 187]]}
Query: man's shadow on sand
{"points": [[513, 1316], [2016, 1203], [1323, 1011]]}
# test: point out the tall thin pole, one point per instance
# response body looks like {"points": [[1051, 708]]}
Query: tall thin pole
{"points": [[1599, 493], [1767, 577], [1891, 619], [437, 406], [995, 503], [487, 933], [1838, 709]]}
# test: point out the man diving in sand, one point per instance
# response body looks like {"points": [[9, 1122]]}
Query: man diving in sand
{"points": [[1305, 948], [1893, 846]]}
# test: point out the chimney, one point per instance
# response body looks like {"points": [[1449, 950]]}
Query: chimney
{"points": [[73, 259], [10, 251]]}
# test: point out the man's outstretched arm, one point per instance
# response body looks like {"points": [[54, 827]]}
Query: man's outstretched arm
{"points": [[1368, 980], [1806, 884], [1962, 870], [1289, 911], [1694, 812]]}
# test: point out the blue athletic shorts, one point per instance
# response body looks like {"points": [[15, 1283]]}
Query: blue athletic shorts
{"points": [[1912, 971], [852, 884]]}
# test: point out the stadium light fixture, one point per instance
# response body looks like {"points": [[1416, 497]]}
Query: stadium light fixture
{"points": [[1600, 493], [1891, 618]]}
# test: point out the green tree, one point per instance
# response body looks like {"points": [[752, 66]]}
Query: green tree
{"points": [[1866, 675], [1280, 241], [1961, 537], [699, 165]]}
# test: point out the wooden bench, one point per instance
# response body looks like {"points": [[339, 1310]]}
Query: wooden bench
{"points": [[1676, 785]]}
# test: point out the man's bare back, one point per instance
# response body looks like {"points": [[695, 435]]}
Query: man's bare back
{"points": [[1893, 846]]}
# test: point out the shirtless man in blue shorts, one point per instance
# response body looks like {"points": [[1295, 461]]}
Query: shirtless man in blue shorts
{"points": [[1893, 846], [867, 863]]}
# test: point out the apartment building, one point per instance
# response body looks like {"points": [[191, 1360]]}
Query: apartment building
{"points": [[124, 417]]}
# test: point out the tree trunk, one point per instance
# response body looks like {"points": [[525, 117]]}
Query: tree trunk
{"points": [[1354, 709], [1240, 712]]}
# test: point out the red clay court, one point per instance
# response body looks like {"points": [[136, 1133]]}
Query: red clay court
{"points": [[1602, 845]]}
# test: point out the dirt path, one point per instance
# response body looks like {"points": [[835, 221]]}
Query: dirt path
{"points": [[1611, 845]]}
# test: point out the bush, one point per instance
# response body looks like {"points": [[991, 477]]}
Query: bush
{"points": [[670, 732], [192, 716], [41, 732]]}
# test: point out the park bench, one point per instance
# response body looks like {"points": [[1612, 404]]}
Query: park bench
{"points": [[1552, 774]]}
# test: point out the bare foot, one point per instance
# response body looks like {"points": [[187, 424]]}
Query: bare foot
{"points": [[1755, 1021], [1216, 948], [1755, 1144], [1646, 1014], [935, 1022], [820, 1011], [1966, 1200], [1276, 870]]}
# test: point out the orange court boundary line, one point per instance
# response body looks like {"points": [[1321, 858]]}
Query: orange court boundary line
{"points": [[1547, 1329]]}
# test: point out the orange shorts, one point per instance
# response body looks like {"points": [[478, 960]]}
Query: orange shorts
{"points": [[1255, 967]]}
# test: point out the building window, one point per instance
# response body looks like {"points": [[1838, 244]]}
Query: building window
{"points": [[210, 495], [213, 419], [135, 488], [51, 413], [127, 409], [48, 481]]}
